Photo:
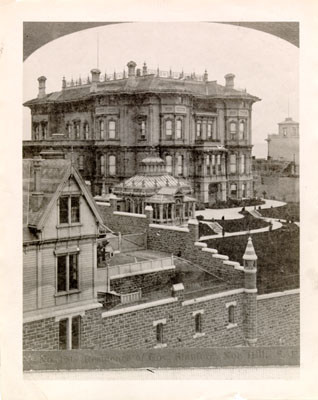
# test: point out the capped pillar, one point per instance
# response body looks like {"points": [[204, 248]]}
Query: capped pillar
{"points": [[229, 81], [95, 79], [131, 68], [250, 286]]}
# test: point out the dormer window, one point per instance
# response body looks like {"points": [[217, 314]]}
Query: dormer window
{"points": [[69, 209]]}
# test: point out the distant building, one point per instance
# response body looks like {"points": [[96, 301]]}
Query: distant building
{"points": [[201, 129], [284, 146]]}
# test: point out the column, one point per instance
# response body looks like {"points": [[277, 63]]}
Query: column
{"points": [[161, 213], [69, 334], [223, 189], [223, 160]]}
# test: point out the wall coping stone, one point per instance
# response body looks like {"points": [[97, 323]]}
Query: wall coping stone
{"points": [[221, 256], [199, 244], [213, 296], [208, 250], [169, 228], [103, 204], [127, 214], [278, 294], [232, 263], [139, 307], [56, 312]]}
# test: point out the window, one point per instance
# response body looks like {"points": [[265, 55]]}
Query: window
{"points": [[241, 130], [81, 162], [67, 272], [233, 190], [102, 165], [198, 129], [233, 130], [219, 162], [198, 323], [143, 129], [69, 209], [112, 165], [69, 130], [242, 163], [112, 129], [243, 189], [178, 129], [180, 165], [209, 133], [86, 130], [159, 333], [77, 129], [102, 129], [232, 163], [231, 314], [69, 333], [44, 130], [213, 164], [169, 164], [285, 132], [168, 127]]}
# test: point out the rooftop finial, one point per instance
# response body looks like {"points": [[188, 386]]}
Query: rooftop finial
{"points": [[250, 254]]}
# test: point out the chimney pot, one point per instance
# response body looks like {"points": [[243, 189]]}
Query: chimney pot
{"points": [[144, 69], [131, 68], [138, 72], [41, 81], [229, 81]]}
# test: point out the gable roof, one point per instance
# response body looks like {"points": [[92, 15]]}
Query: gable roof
{"points": [[54, 175]]}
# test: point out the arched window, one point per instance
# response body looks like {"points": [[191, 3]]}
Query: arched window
{"points": [[69, 130], [198, 323], [241, 130], [112, 165], [213, 164], [231, 314], [198, 129], [168, 127], [233, 130], [169, 164], [242, 163], [102, 165], [180, 165], [243, 189], [219, 162], [102, 129], [112, 129], [178, 129], [44, 129], [232, 163], [77, 129]]}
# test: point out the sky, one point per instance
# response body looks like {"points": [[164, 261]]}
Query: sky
{"points": [[263, 64]]}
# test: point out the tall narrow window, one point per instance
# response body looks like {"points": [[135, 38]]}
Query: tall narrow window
{"points": [[159, 333], [209, 132], [231, 314], [67, 272], [198, 129], [69, 130], [198, 323], [232, 163], [178, 129], [143, 129], [62, 273], [233, 190], [75, 209], [243, 189], [180, 165], [241, 130], [73, 272], [213, 164], [242, 163], [77, 130], [76, 321], [112, 129], [233, 130], [44, 130], [169, 164], [63, 334], [36, 131], [81, 162], [102, 165], [219, 162], [63, 210], [169, 128], [102, 129], [112, 165], [69, 340], [285, 132], [85, 130]]}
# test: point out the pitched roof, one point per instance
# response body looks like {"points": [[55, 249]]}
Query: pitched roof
{"points": [[54, 174], [142, 84]]}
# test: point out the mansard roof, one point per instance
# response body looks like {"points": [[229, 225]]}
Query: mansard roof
{"points": [[143, 84]]}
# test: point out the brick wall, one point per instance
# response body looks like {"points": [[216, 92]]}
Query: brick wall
{"points": [[136, 330], [41, 335], [124, 223], [278, 319]]}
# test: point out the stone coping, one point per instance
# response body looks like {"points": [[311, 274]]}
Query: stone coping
{"points": [[278, 294], [169, 228]]}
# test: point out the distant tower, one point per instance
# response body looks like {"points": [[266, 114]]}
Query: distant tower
{"points": [[250, 286]]}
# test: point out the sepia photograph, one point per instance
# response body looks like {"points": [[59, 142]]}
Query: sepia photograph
{"points": [[160, 195]]}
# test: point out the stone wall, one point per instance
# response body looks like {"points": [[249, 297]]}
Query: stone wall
{"points": [[278, 319], [122, 222], [41, 335], [136, 329]]}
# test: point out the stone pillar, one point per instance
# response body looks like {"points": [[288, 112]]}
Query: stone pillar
{"points": [[223, 193], [149, 213], [113, 204], [177, 290], [193, 226], [193, 210], [223, 160], [161, 213], [250, 300]]}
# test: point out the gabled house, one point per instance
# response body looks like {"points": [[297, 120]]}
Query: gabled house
{"points": [[61, 227]]}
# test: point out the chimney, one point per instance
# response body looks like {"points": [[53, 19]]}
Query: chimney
{"points": [[63, 83], [205, 76], [37, 194], [95, 79], [131, 68], [138, 72], [229, 81], [144, 69], [41, 93]]}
